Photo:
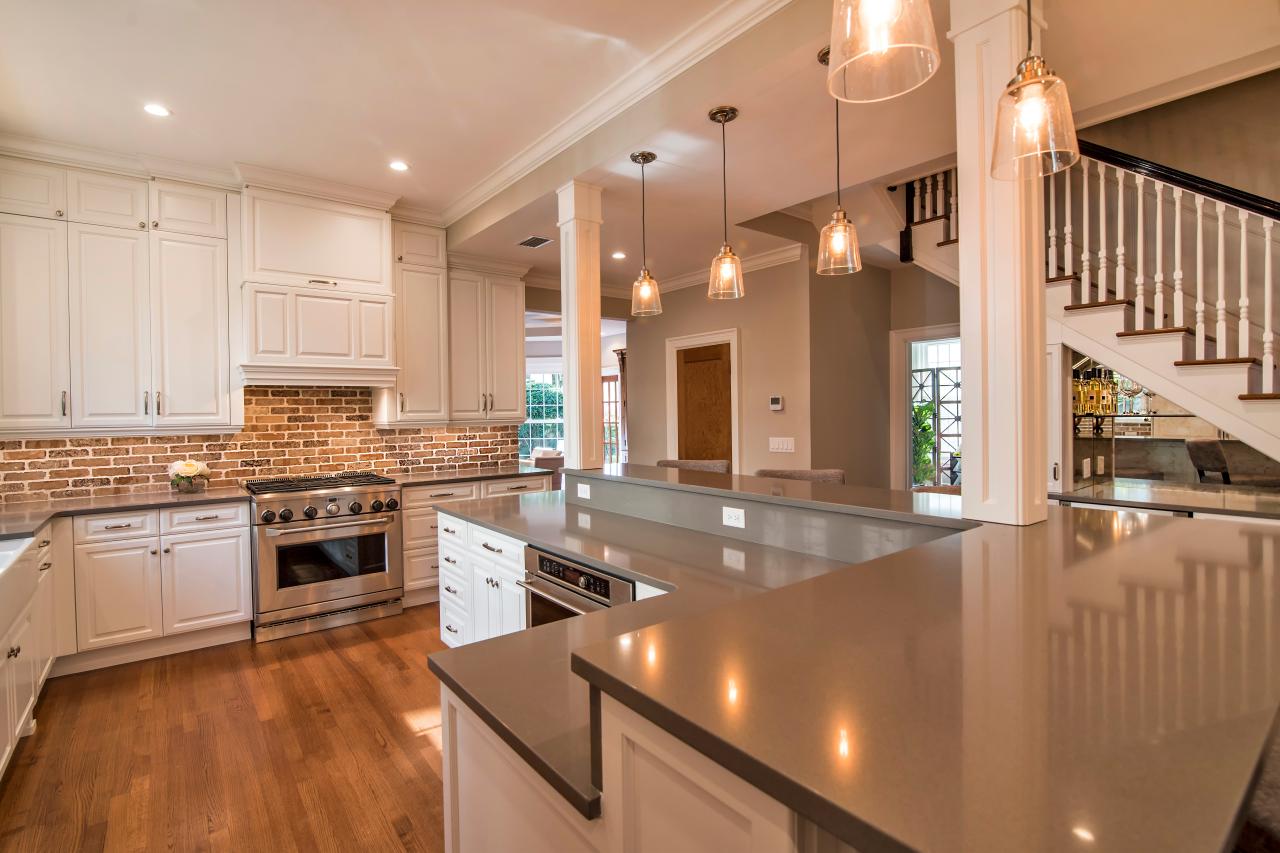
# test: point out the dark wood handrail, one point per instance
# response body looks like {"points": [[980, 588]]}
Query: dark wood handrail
{"points": [[1196, 184]]}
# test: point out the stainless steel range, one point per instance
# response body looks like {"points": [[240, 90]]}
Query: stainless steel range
{"points": [[326, 552]]}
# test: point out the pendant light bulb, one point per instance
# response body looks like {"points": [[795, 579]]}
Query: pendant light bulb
{"points": [[880, 49], [646, 300], [838, 252], [1035, 131], [726, 269]]}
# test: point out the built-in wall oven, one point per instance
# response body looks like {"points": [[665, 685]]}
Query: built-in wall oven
{"points": [[556, 588]]}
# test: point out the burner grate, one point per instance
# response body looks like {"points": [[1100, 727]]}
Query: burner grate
{"points": [[326, 481]]}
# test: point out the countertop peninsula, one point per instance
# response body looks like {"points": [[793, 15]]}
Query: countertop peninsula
{"points": [[1212, 498]]}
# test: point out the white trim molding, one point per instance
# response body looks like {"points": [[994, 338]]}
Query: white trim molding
{"points": [[137, 165], [416, 215], [900, 341], [292, 182], [673, 345], [486, 266], [753, 263], [307, 374], [703, 37]]}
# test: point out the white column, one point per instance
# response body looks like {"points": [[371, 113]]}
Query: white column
{"points": [[580, 219], [1001, 282]]}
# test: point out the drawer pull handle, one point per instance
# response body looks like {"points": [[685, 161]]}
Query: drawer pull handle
{"points": [[450, 530], [443, 494], [488, 547], [44, 567], [14, 651], [43, 543], [124, 526], [451, 629], [516, 488], [451, 561], [433, 527], [451, 590], [208, 517]]}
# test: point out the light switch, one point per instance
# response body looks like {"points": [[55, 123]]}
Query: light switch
{"points": [[782, 445]]}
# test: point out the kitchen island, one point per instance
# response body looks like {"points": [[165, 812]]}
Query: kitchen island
{"points": [[1100, 679]]}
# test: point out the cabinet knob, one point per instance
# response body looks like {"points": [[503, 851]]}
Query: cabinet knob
{"points": [[450, 590], [400, 258], [451, 561], [142, 224], [153, 551], [57, 213], [155, 223], [166, 550]]}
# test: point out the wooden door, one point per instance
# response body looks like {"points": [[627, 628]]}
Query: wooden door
{"points": [[704, 393], [505, 334]]}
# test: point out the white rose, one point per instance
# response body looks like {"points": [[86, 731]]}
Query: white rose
{"points": [[202, 470], [185, 468]]}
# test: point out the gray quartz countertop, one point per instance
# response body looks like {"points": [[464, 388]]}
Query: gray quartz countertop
{"points": [[495, 472], [18, 520], [1179, 497]]}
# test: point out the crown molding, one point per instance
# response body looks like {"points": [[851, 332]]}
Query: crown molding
{"points": [[264, 177], [417, 215], [752, 263], [138, 165], [715, 29], [486, 266]]}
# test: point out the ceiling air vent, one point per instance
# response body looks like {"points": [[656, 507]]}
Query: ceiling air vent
{"points": [[534, 242]]}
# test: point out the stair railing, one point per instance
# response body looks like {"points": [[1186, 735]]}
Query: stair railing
{"points": [[926, 198]]}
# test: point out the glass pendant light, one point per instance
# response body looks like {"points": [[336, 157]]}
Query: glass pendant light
{"points": [[726, 269], [880, 49], [646, 301], [1035, 132], [838, 252]]}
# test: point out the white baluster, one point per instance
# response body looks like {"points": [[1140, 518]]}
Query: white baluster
{"points": [[1200, 336], [953, 233], [1102, 232], [1120, 270], [928, 197], [1085, 275], [1243, 349], [1177, 256], [1268, 352], [1140, 280], [1051, 259], [918, 208], [1221, 327], [938, 209], [1067, 247], [1159, 279]]}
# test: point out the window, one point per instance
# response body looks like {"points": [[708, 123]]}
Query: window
{"points": [[935, 412], [612, 396], [544, 421]]}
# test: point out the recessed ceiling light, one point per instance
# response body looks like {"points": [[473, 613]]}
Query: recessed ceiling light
{"points": [[157, 110], [619, 256], [399, 166]]}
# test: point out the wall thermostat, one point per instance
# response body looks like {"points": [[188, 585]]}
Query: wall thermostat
{"points": [[775, 404]]}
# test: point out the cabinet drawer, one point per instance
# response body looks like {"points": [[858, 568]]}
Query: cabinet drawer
{"points": [[454, 590], [115, 525], [429, 495], [503, 550], [419, 528], [206, 517], [453, 626], [518, 486], [421, 568], [452, 530]]}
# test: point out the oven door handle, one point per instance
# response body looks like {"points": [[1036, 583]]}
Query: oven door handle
{"points": [[283, 531], [581, 606]]}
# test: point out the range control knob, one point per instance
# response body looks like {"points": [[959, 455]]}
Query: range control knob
{"points": [[268, 516], [332, 509], [355, 507], [376, 506], [584, 581], [286, 514], [310, 512], [392, 503]]}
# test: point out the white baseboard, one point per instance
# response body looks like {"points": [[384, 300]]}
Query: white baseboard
{"points": [[159, 647], [426, 595]]}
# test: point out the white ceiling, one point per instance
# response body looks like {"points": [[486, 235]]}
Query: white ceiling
{"points": [[331, 88]]}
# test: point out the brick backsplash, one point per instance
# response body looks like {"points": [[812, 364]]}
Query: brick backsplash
{"points": [[286, 431]]}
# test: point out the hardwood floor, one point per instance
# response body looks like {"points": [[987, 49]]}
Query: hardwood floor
{"points": [[329, 741]]}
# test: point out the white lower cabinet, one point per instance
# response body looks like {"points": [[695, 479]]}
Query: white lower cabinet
{"points": [[27, 640], [118, 593], [205, 579], [481, 585], [421, 569]]}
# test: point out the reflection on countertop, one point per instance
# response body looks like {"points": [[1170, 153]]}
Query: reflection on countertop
{"points": [[1212, 498]]}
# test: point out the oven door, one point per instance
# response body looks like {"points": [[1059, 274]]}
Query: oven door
{"points": [[548, 602], [305, 565]]}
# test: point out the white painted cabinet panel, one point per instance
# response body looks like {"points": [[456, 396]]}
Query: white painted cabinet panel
{"points": [[505, 336], [98, 199], [44, 625], [325, 326], [118, 593], [110, 326], [8, 726], [22, 644], [486, 347], [423, 337], [421, 569], [268, 313], [374, 319], [35, 367], [206, 579], [420, 245], [294, 327], [510, 601], [188, 209], [32, 189], [298, 240], [467, 355], [189, 316], [483, 616]]}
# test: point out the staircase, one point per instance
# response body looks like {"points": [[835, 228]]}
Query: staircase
{"points": [[1164, 276]]}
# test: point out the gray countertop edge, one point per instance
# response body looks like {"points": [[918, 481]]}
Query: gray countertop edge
{"points": [[587, 804], [1160, 505], [411, 480], [803, 800], [956, 523], [42, 517]]}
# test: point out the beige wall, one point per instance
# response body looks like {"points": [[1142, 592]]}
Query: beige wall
{"points": [[920, 298], [773, 358], [1226, 134], [546, 299]]}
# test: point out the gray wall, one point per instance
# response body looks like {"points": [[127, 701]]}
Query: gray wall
{"points": [[920, 298], [546, 299], [1226, 134]]}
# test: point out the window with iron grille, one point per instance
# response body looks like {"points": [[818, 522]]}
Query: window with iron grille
{"points": [[935, 413]]}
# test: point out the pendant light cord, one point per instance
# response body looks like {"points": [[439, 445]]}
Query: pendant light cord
{"points": [[724, 180], [837, 100], [1028, 27], [644, 243]]}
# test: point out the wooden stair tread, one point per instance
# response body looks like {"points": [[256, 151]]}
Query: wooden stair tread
{"points": [[1107, 303], [1194, 362], [930, 219], [1057, 278], [1167, 330], [950, 242], [1273, 395]]}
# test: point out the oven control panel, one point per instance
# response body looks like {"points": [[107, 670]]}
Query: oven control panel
{"points": [[574, 576], [336, 503]]}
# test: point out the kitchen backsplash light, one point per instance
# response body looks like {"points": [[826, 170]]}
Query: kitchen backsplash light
{"points": [[287, 431]]}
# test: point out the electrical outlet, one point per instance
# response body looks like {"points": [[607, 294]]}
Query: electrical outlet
{"points": [[584, 491], [733, 516], [1086, 467], [734, 559], [782, 445], [1102, 466]]}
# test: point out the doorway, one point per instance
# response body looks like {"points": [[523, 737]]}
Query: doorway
{"points": [[702, 396]]}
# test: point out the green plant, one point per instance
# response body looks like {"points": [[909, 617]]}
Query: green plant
{"points": [[922, 443]]}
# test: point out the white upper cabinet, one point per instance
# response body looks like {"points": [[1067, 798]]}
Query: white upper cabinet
{"points": [[32, 189], [486, 347], [35, 367], [467, 400], [191, 366], [110, 327], [188, 209], [298, 240], [505, 319], [419, 245], [297, 327], [99, 199], [423, 337]]}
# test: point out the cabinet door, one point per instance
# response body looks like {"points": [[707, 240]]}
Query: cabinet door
{"points": [[110, 327], [269, 334], [205, 579], [509, 596], [375, 322], [324, 327], [98, 199], [483, 610], [118, 593], [505, 334], [467, 346], [421, 569], [188, 209], [32, 189], [189, 318], [420, 245], [422, 297], [35, 366], [7, 724], [43, 624], [22, 644]]}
